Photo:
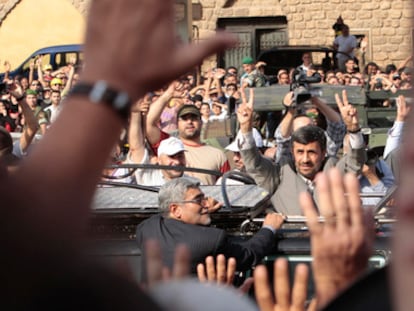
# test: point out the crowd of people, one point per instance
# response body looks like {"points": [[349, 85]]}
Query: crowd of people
{"points": [[318, 167]]}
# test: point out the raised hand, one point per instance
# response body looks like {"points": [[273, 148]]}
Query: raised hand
{"points": [[283, 298], [151, 25], [402, 108], [7, 66], [342, 244], [244, 116], [348, 112], [221, 272], [213, 205], [157, 272]]}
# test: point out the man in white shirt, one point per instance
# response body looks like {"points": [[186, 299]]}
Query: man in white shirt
{"points": [[344, 45], [307, 62]]}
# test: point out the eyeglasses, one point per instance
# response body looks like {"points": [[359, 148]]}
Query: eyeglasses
{"points": [[199, 200], [56, 84]]}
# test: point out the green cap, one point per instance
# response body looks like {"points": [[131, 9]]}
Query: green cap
{"points": [[247, 60], [188, 109], [31, 92]]}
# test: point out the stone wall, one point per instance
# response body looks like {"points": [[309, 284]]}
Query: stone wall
{"points": [[387, 23]]}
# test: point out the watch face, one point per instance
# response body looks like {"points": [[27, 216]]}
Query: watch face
{"points": [[121, 101]]}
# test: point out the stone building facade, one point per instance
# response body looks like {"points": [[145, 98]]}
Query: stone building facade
{"points": [[259, 23], [386, 23]]}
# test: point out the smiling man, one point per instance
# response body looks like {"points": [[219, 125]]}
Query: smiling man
{"points": [[184, 219], [294, 174]]}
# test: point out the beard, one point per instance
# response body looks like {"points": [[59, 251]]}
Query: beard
{"points": [[190, 134]]}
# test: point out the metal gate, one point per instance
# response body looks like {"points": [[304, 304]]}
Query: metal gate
{"points": [[255, 35]]}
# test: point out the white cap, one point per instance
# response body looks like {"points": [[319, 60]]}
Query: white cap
{"points": [[170, 146], [257, 139]]}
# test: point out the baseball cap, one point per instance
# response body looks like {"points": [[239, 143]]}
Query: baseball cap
{"points": [[31, 92], [47, 67], [257, 139], [247, 60], [170, 146], [407, 70], [188, 109], [56, 81]]}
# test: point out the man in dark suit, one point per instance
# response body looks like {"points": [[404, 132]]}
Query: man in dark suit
{"points": [[185, 219]]}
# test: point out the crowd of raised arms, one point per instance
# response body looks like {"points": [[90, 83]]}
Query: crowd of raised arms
{"points": [[158, 114]]}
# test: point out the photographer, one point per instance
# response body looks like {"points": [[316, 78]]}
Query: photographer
{"points": [[376, 177]]}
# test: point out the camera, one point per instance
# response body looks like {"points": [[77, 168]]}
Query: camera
{"points": [[301, 87], [372, 157]]}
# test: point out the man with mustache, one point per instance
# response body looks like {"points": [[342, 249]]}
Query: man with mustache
{"points": [[185, 219], [286, 179]]}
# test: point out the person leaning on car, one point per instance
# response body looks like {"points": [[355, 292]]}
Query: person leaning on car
{"points": [[185, 219]]}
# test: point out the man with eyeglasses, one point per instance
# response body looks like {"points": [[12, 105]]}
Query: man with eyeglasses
{"points": [[185, 219]]}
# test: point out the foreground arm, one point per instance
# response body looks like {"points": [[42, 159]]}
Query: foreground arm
{"points": [[67, 190], [341, 245], [402, 268], [136, 137], [263, 170], [355, 157], [54, 212], [154, 115], [395, 133]]}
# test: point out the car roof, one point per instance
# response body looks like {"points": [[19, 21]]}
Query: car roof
{"points": [[290, 56], [59, 49], [304, 48]]}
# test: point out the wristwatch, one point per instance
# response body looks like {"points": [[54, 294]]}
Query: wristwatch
{"points": [[101, 93]]}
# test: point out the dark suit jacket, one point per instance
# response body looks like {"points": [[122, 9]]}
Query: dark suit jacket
{"points": [[204, 241]]}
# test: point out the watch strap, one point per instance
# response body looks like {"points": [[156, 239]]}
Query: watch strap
{"points": [[101, 93]]}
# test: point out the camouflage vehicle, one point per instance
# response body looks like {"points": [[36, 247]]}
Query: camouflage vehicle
{"points": [[117, 210], [374, 119], [290, 56]]}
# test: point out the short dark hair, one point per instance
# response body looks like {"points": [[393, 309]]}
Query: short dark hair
{"points": [[231, 84], [231, 67], [390, 68], [204, 104], [309, 134]]}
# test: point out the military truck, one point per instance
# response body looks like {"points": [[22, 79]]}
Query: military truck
{"points": [[375, 120], [117, 211], [290, 56]]}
